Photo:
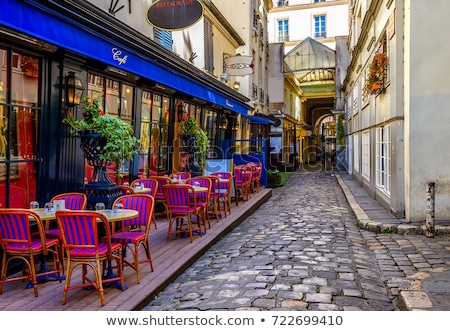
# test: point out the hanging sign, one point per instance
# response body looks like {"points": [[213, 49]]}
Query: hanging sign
{"points": [[174, 14], [239, 65]]}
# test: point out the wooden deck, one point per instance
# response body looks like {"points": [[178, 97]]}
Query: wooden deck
{"points": [[170, 259]]}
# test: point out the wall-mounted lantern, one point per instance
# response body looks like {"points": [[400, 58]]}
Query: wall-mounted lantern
{"points": [[223, 123], [235, 126], [236, 85], [74, 90]]}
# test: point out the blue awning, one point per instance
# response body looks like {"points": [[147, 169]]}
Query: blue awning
{"points": [[54, 29], [258, 120]]}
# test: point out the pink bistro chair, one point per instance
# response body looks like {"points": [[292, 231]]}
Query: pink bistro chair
{"points": [[152, 184], [204, 198], [72, 201], [159, 197], [18, 243], [79, 232], [224, 192], [134, 234], [182, 210], [243, 176], [256, 176]]}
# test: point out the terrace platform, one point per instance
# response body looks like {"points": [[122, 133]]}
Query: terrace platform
{"points": [[170, 259]]}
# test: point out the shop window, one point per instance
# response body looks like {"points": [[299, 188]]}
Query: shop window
{"points": [[18, 128], [118, 100], [154, 140]]}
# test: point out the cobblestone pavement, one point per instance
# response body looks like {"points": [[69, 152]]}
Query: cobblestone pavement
{"points": [[301, 250]]}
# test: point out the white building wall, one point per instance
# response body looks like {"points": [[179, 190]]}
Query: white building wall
{"points": [[427, 100], [301, 14]]}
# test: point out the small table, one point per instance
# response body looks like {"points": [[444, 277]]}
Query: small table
{"points": [[124, 214], [44, 215], [199, 189], [142, 190]]}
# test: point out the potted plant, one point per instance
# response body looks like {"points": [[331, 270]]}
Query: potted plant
{"points": [[273, 178], [105, 138], [195, 138]]}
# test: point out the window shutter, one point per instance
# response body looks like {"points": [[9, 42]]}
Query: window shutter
{"points": [[209, 58]]}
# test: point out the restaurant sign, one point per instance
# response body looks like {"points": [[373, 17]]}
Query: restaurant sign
{"points": [[174, 14]]}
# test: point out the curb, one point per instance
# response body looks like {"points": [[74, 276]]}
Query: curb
{"points": [[363, 221], [407, 300]]}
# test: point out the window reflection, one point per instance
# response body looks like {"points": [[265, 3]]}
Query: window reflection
{"points": [[18, 127], [118, 100], [154, 159]]}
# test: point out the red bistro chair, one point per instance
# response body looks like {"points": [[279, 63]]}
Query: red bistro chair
{"points": [[134, 234], [152, 184], [72, 201], [18, 243], [79, 231], [224, 192], [182, 210]]}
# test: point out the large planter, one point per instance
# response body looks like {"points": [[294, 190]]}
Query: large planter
{"points": [[100, 188], [189, 150], [273, 180], [93, 145]]}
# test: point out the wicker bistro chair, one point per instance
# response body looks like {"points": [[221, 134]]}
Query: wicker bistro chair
{"points": [[79, 231], [72, 201], [243, 176], [134, 234], [182, 210], [224, 192], [18, 243], [256, 176], [210, 201], [152, 184], [127, 190], [159, 196]]}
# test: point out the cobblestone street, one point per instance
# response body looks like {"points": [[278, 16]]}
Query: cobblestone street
{"points": [[302, 250]]}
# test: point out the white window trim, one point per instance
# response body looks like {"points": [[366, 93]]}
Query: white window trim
{"points": [[365, 154], [383, 159], [356, 152]]}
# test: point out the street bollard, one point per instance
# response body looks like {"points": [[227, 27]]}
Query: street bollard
{"points": [[429, 196]]}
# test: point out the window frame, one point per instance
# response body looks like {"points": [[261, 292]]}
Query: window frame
{"points": [[383, 159], [282, 30], [319, 27]]}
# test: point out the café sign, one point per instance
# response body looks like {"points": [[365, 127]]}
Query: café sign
{"points": [[174, 14]]}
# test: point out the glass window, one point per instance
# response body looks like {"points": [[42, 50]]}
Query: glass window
{"points": [[356, 152], [18, 128], [320, 30], [118, 101], [283, 30], [365, 154], [383, 159]]}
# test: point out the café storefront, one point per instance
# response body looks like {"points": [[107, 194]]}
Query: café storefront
{"points": [[146, 85]]}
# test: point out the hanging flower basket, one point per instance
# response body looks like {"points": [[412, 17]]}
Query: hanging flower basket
{"points": [[374, 87], [376, 74]]}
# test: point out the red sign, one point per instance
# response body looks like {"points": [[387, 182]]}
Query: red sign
{"points": [[174, 14]]}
